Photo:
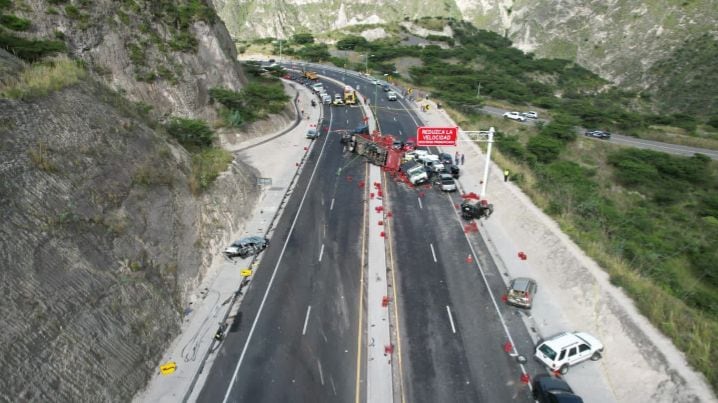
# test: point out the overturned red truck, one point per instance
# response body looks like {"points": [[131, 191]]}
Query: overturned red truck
{"points": [[382, 150]]}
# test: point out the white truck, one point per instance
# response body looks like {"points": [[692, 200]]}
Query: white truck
{"points": [[416, 174]]}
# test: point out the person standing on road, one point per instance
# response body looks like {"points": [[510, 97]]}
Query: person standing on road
{"points": [[456, 158], [506, 175], [462, 159]]}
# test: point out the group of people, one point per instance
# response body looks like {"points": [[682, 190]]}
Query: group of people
{"points": [[459, 160]]}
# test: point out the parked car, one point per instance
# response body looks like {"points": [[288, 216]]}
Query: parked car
{"points": [[547, 389], [446, 183], [530, 115], [599, 134], [452, 170], [415, 154], [514, 116], [312, 134], [446, 158], [433, 165], [560, 352], [318, 88], [391, 96], [521, 292], [248, 246]]}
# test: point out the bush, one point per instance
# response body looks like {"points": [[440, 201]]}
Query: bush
{"points": [[303, 38], [256, 100], [14, 23], [545, 148], [561, 127], [40, 79], [352, 42], [183, 42], [30, 49], [314, 53], [190, 132], [207, 164], [658, 172], [230, 99], [510, 146]]}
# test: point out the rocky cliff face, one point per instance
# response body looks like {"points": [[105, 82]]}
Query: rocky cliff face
{"points": [[102, 239], [163, 53], [620, 40]]}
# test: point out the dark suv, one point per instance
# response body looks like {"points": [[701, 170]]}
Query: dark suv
{"points": [[547, 389]]}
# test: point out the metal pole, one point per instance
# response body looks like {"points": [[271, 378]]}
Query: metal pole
{"points": [[280, 51], [366, 63], [488, 161]]}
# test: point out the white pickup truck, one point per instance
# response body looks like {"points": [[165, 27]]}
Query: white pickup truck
{"points": [[417, 174]]}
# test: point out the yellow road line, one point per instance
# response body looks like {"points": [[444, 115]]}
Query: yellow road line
{"points": [[357, 390], [396, 303]]}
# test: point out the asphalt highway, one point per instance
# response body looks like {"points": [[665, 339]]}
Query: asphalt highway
{"points": [[452, 328], [297, 340]]}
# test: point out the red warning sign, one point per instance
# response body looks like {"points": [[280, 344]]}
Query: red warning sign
{"points": [[436, 136]]}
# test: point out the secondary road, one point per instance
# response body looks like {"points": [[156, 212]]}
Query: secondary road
{"points": [[627, 140], [452, 329], [297, 340]]}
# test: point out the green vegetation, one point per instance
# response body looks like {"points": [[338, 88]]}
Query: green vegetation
{"points": [[353, 42], [649, 218], [206, 167], [303, 38], [260, 97], [207, 161], [40, 79], [14, 23], [190, 132], [30, 49]]}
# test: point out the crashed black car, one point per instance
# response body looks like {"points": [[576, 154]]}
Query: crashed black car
{"points": [[248, 246]]}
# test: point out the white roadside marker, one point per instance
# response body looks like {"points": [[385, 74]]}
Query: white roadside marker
{"points": [[431, 245]]}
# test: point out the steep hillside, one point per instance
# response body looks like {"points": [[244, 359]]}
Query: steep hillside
{"points": [[622, 41], [104, 232], [166, 54]]}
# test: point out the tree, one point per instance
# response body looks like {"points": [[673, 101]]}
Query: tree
{"points": [[303, 38], [352, 42]]}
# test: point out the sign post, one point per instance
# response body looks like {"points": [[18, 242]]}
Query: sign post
{"points": [[436, 136]]}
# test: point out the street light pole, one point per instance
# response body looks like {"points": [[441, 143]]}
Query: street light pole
{"points": [[280, 51], [488, 137], [488, 161]]}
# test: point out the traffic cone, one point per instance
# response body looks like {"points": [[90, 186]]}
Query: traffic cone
{"points": [[469, 259]]}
